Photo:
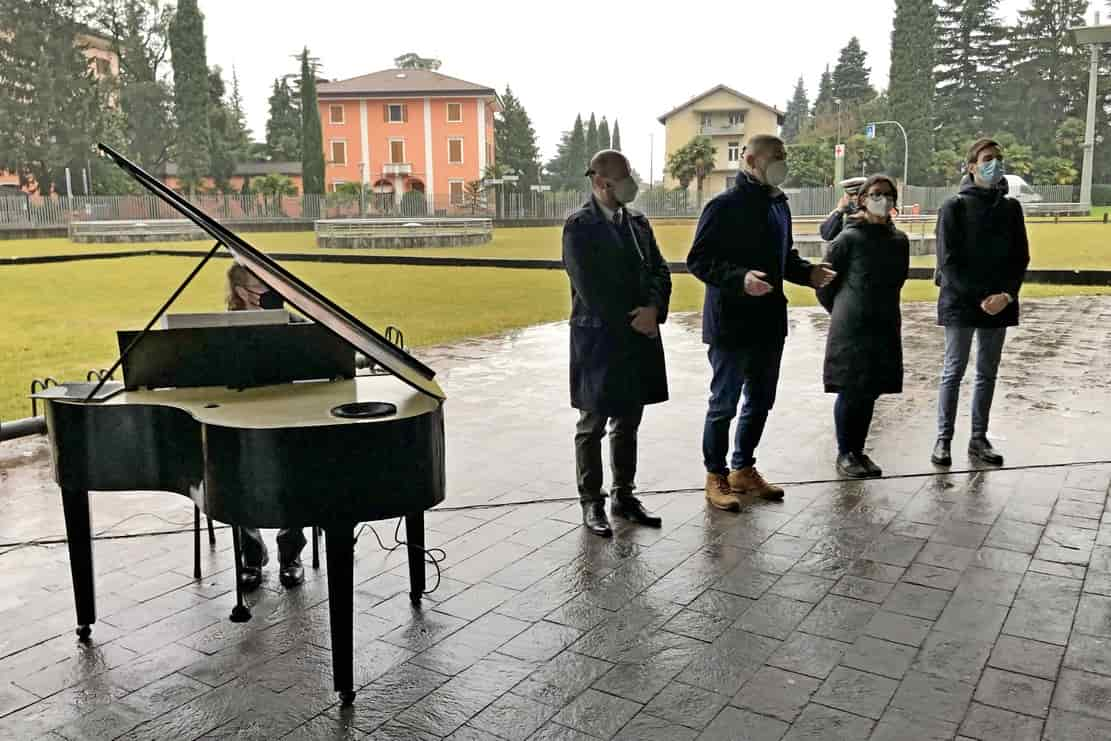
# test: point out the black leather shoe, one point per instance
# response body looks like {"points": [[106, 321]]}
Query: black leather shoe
{"points": [[292, 574], [980, 448], [594, 517], [251, 578], [941, 455], [873, 470], [631, 509], [850, 465]]}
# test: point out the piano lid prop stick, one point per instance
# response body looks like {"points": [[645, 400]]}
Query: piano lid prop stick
{"points": [[155, 318]]}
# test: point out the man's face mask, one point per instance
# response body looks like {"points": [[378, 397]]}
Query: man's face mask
{"points": [[270, 299], [990, 172], [773, 172], [625, 190]]}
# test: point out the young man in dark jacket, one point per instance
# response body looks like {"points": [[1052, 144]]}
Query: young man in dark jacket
{"points": [[620, 291], [743, 251], [982, 254]]}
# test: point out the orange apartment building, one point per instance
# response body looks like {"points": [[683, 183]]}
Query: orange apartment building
{"points": [[407, 129]]}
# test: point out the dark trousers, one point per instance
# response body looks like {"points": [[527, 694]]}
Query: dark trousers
{"points": [[290, 544], [623, 453], [958, 347], [752, 372], [852, 414]]}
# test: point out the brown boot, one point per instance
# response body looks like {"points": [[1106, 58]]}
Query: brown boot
{"points": [[718, 493], [748, 481]]}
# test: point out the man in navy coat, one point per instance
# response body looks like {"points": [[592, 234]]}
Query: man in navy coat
{"points": [[620, 290]]}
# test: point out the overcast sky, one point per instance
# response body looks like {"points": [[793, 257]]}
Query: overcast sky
{"points": [[618, 58]]}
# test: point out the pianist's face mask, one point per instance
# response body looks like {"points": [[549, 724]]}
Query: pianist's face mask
{"points": [[270, 300]]}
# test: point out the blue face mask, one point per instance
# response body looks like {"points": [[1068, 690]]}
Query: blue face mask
{"points": [[991, 172]]}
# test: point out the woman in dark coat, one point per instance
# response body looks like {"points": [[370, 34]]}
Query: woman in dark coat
{"points": [[864, 349]]}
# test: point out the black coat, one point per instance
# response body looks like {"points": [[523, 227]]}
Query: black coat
{"points": [[981, 250], [614, 369], [738, 232], [864, 349]]}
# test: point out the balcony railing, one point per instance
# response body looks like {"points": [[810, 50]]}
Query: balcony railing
{"points": [[722, 129], [397, 168]]}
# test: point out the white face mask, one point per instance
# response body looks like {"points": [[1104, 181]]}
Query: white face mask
{"points": [[882, 207], [775, 174], [625, 191]]}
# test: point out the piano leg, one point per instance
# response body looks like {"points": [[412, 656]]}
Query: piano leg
{"points": [[339, 546], [75, 504], [196, 542], [315, 547], [414, 536], [211, 532], [240, 613]]}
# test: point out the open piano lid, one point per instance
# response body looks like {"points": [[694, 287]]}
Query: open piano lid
{"points": [[302, 296]]}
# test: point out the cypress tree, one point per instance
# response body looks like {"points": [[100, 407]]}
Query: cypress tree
{"points": [[615, 141], [823, 104], [604, 134], [312, 137], [578, 159], [911, 87], [515, 140], [797, 114], [187, 43], [592, 137], [283, 127], [851, 75]]}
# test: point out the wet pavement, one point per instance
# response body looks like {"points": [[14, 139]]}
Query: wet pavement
{"points": [[973, 604]]}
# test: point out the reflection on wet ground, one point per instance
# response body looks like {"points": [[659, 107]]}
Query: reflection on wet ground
{"points": [[926, 605]]}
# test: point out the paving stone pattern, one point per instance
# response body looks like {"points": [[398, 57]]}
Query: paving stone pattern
{"points": [[967, 605]]}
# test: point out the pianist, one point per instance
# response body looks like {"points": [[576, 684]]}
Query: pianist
{"points": [[620, 291], [246, 292]]}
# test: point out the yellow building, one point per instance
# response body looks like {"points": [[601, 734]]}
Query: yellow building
{"points": [[729, 119]]}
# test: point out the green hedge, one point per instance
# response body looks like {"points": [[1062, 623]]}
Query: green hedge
{"points": [[1101, 195]]}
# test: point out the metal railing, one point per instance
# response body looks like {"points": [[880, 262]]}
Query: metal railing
{"points": [[32, 212]]}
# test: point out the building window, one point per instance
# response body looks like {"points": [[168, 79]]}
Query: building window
{"points": [[335, 114], [736, 118], [707, 120], [455, 190], [397, 113], [336, 184], [734, 152], [339, 153], [454, 112], [455, 151], [397, 151]]}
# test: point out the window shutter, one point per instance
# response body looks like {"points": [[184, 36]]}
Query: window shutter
{"points": [[405, 112], [386, 112]]}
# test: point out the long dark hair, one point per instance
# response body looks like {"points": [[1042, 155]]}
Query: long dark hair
{"points": [[879, 177]]}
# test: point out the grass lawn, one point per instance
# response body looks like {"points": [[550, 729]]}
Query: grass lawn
{"points": [[1065, 245], [60, 320]]}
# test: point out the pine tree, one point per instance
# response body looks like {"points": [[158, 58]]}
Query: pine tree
{"points": [[187, 44], [851, 75], [911, 86], [312, 137], [604, 134], [797, 115], [592, 137], [1047, 72], [615, 141], [823, 104], [969, 54], [515, 140], [139, 32], [221, 153], [571, 160], [283, 127], [240, 134]]}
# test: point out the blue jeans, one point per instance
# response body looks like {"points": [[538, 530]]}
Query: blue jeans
{"points": [[753, 372], [958, 346]]}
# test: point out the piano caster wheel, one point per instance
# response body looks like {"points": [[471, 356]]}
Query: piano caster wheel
{"points": [[346, 698], [240, 614], [83, 632]]}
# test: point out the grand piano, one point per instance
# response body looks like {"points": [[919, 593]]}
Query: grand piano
{"points": [[260, 426]]}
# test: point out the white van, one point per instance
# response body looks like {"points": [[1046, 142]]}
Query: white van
{"points": [[1020, 190]]}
